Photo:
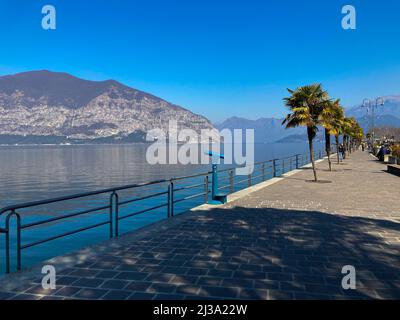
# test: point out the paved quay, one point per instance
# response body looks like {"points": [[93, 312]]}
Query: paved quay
{"points": [[287, 240]]}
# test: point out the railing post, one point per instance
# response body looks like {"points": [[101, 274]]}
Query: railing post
{"points": [[249, 180], [274, 167], [7, 242], [231, 181], [112, 196], [214, 185], [8, 218], [297, 161], [169, 201], [320, 154], [205, 189], [283, 166], [263, 171], [172, 197], [115, 196]]}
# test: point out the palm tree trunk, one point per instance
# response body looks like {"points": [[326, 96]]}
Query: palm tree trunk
{"points": [[345, 146], [337, 148], [310, 144], [328, 147]]}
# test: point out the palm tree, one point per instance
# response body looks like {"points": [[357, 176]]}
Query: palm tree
{"points": [[328, 118], [337, 125], [348, 127], [356, 135], [306, 105]]}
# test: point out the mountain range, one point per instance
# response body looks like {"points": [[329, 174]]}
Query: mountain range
{"points": [[58, 107], [54, 107], [266, 130]]}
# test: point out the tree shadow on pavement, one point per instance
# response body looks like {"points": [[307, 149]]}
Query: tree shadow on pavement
{"points": [[300, 254]]}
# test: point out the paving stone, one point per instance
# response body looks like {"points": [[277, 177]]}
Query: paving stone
{"points": [[241, 274], [117, 295], [161, 288], [138, 286], [91, 294], [67, 291], [165, 296], [141, 296], [280, 295], [52, 298], [197, 272], [6, 295], [88, 282], [220, 292], [175, 270], [280, 276], [114, 284], [159, 277], [220, 273], [209, 281], [131, 276], [66, 280], [238, 283], [107, 274], [40, 291], [84, 273], [184, 279], [266, 284], [253, 294], [25, 296], [291, 286], [187, 290]]}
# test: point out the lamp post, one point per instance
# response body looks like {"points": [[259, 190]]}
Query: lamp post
{"points": [[367, 103], [378, 102]]}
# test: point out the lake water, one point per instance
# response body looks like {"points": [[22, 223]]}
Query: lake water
{"points": [[29, 173]]}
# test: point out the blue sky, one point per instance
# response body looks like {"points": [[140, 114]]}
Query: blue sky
{"points": [[217, 58]]}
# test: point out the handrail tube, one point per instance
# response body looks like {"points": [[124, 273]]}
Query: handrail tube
{"points": [[142, 198], [224, 187], [192, 176], [64, 234], [76, 196], [141, 211], [189, 187], [189, 197], [241, 181], [33, 224]]}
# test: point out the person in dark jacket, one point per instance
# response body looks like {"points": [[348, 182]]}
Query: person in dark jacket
{"points": [[342, 152]]}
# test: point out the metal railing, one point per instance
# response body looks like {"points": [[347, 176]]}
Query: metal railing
{"points": [[169, 189]]}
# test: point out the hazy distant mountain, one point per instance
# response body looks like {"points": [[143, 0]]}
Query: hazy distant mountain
{"points": [[387, 115], [391, 108], [52, 104], [271, 129], [265, 129]]}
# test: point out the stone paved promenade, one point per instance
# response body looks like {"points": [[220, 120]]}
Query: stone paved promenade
{"points": [[289, 240]]}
